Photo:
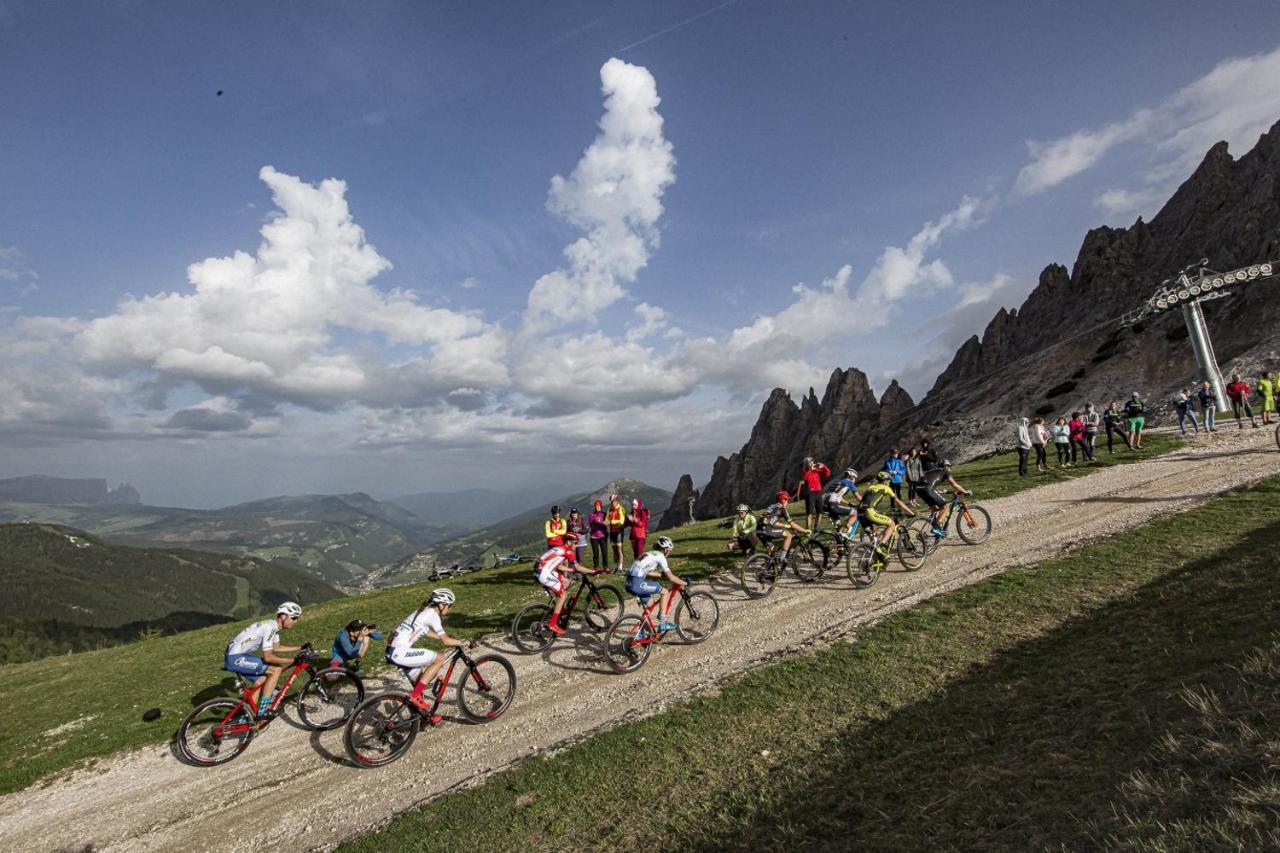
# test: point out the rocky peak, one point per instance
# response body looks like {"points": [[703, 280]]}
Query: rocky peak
{"points": [[678, 512]]}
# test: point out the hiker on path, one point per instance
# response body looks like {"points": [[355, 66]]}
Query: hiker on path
{"points": [[1024, 446], [1238, 393], [1113, 420], [1039, 438], [1208, 405], [1135, 415], [1091, 420]]}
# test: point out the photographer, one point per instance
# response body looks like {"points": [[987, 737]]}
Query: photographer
{"points": [[351, 644]]}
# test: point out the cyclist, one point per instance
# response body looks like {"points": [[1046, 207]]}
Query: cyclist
{"points": [[744, 530], [351, 644], [638, 583], [422, 665], [264, 671], [876, 495], [932, 480], [841, 513], [777, 524], [551, 568]]}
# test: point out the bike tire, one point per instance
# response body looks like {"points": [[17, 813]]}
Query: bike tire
{"points": [[923, 529], [328, 699], [696, 617], [810, 560], [530, 630], [487, 688], [381, 729], [911, 549], [205, 739], [973, 524], [757, 576], [621, 650], [603, 607], [863, 568]]}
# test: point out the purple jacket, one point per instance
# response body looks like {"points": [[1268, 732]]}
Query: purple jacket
{"points": [[598, 528]]}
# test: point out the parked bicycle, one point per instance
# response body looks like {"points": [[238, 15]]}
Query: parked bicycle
{"points": [[864, 563], [384, 727], [221, 729], [972, 524], [760, 572], [602, 605], [631, 639]]}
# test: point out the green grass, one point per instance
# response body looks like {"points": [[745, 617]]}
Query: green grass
{"points": [[1121, 697]]}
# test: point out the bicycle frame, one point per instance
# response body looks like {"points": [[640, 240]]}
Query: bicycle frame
{"points": [[459, 654], [652, 634], [246, 695]]}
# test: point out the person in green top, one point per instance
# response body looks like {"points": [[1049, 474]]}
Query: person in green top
{"points": [[1135, 412], [1267, 393], [744, 530]]}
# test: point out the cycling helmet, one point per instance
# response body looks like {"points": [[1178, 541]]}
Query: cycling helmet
{"points": [[571, 539], [946, 463], [884, 476], [851, 473], [443, 595], [291, 609], [664, 543], [743, 508], [783, 497]]}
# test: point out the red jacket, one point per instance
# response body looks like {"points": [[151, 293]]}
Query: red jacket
{"points": [[1077, 429], [814, 476], [640, 522], [1238, 390]]}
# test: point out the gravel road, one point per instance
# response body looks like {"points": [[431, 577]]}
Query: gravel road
{"points": [[296, 788]]}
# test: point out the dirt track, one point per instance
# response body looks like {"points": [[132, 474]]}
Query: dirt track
{"points": [[295, 788]]}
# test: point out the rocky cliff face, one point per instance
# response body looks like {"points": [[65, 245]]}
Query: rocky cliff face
{"points": [[678, 513], [1064, 338], [60, 491]]}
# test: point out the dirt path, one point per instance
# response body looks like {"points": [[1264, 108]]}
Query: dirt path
{"points": [[147, 800]]}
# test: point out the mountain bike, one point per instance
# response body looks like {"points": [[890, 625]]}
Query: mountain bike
{"points": [[837, 544], [601, 607], [384, 727], [973, 524], [759, 572], [221, 729], [866, 560], [629, 641]]}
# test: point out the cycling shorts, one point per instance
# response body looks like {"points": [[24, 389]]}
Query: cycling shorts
{"points": [[616, 536], [554, 580], [768, 532], [812, 502], [643, 587], [250, 666], [871, 516], [411, 660], [838, 511], [933, 499]]}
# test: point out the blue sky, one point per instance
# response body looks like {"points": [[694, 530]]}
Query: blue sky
{"points": [[443, 313]]}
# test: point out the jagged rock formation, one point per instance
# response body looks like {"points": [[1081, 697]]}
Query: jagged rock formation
{"points": [[1064, 333], [63, 491], [678, 512]]}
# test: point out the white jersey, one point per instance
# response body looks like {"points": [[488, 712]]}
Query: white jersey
{"points": [[415, 625], [551, 562], [260, 635], [650, 563]]}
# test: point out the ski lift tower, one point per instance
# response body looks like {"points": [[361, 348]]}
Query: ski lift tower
{"points": [[1193, 285]]}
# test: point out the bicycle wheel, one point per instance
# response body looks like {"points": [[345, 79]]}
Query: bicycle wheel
{"points": [[973, 523], [327, 700], [809, 560], [911, 549], [530, 630], [603, 607], [627, 646], [922, 529], [487, 688], [758, 576], [216, 732], [697, 616], [382, 729], [863, 568]]}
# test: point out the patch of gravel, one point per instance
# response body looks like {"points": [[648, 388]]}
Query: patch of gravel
{"points": [[146, 800]]}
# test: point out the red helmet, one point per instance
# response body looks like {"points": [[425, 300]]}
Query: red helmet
{"points": [[570, 539], [784, 497]]}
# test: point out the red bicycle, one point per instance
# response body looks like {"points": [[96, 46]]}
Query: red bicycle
{"points": [[383, 728], [631, 638], [221, 729]]}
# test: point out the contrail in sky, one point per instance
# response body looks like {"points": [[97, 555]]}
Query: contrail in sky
{"points": [[675, 27]]}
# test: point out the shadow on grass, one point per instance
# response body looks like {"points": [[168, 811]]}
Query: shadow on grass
{"points": [[1037, 748]]}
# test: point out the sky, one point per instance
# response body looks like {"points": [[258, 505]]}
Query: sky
{"points": [[255, 249]]}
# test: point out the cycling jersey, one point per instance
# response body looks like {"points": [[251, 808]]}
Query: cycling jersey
{"points": [[875, 495], [555, 528], [776, 515], [414, 626], [549, 568], [650, 563], [260, 635], [842, 487]]}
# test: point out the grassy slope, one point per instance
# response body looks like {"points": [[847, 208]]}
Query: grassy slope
{"points": [[1123, 696], [176, 673]]}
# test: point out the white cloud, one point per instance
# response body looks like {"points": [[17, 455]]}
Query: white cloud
{"points": [[1117, 203], [15, 270], [1053, 162]]}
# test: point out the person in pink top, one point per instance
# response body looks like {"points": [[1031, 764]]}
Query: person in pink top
{"points": [[599, 537], [1076, 426], [639, 524]]}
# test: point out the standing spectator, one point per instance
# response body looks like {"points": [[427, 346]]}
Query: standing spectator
{"points": [[928, 459], [1077, 437], [556, 527], [1040, 437], [599, 537], [1135, 414], [1113, 420], [1266, 388], [578, 527], [1208, 405], [812, 476], [1062, 442], [1091, 420], [616, 517], [915, 473], [639, 524], [897, 472], [1185, 407], [1024, 446], [1238, 392]]}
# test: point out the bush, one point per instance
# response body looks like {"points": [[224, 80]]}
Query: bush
{"points": [[1061, 388]]}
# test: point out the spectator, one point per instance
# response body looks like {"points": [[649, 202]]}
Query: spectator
{"points": [[1135, 414], [1091, 420], [1024, 446], [599, 537], [928, 459], [351, 644], [1040, 437], [639, 524], [915, 473], [1077, 437], [1113, 420], [897, 472], [578, 527], [1208, 405], [1185, 407], [616, 518], [812, 475], [556, 527], [1062, 442], [1238, 392], [1266, 388]]}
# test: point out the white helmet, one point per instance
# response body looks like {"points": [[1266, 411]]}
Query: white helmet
{"points": [[665, 544], [851, 473], [743, 508], [291, 609], [443, 595]]}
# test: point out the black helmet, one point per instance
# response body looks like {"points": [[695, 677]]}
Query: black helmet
{"points": [[554, 510]]}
